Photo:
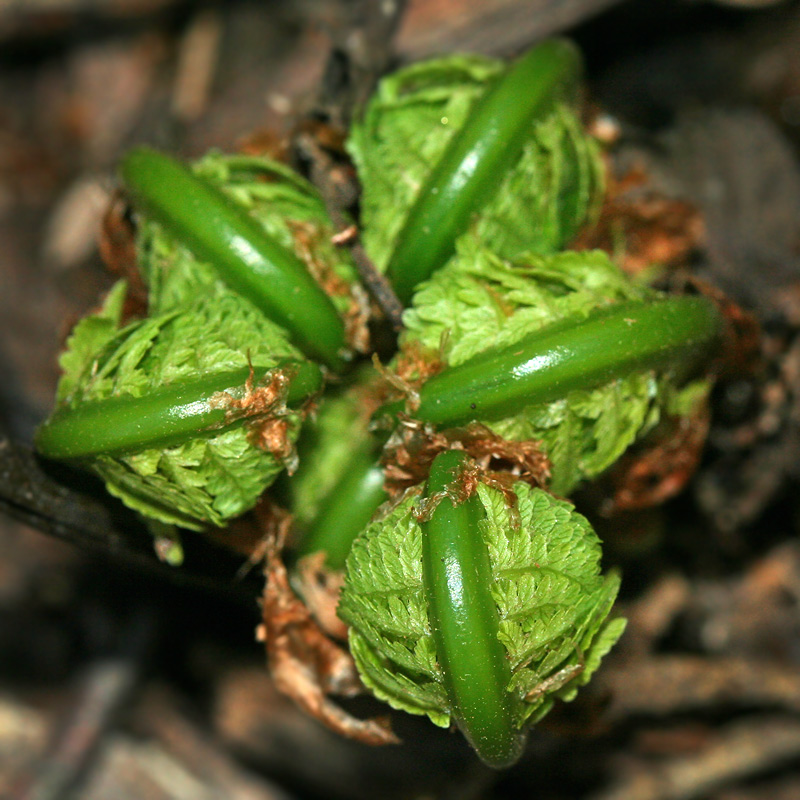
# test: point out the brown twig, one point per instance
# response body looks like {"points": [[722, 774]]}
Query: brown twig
{"points": [[741, 750], [327, 176], [362, 34], [206, 758], [670, 684]]}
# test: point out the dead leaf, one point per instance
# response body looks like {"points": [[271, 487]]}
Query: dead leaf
{"points": [[305, 664]]}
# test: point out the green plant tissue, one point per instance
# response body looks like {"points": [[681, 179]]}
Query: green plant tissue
{"points": [[326, 448], [284, 204], [540, 204], [553, 603], [480, 301], [208, 478]]}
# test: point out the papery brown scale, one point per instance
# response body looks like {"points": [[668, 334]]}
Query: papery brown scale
{"points": [[413, 366], [741, 350], [654, 229], [307, 237], [117, 246], [646, 479], [320, 588], [413, 446], [305, 664], [265, 408], [264, 143]]}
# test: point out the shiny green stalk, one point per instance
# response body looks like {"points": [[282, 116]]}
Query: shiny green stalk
{"points": [[162, 417], [347, 510], [221, 233], [576, 354], [464, 619], [478, 156]]}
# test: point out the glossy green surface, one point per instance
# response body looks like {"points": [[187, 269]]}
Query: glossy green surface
{"points": [[578, 354], [347, 510], [220, 232], [161, 418], [478, 155], [464, 619]]}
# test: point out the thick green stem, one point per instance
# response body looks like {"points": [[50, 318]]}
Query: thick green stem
{"points": [[578, 354], [220, 232], [165, 416], [464, 618], [347, 510], [471, 169]]}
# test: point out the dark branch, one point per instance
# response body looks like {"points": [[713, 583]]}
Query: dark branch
{"points": [[73, 506]]}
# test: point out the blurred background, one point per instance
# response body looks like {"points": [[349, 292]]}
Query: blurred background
{"points": [[120, 680]]}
